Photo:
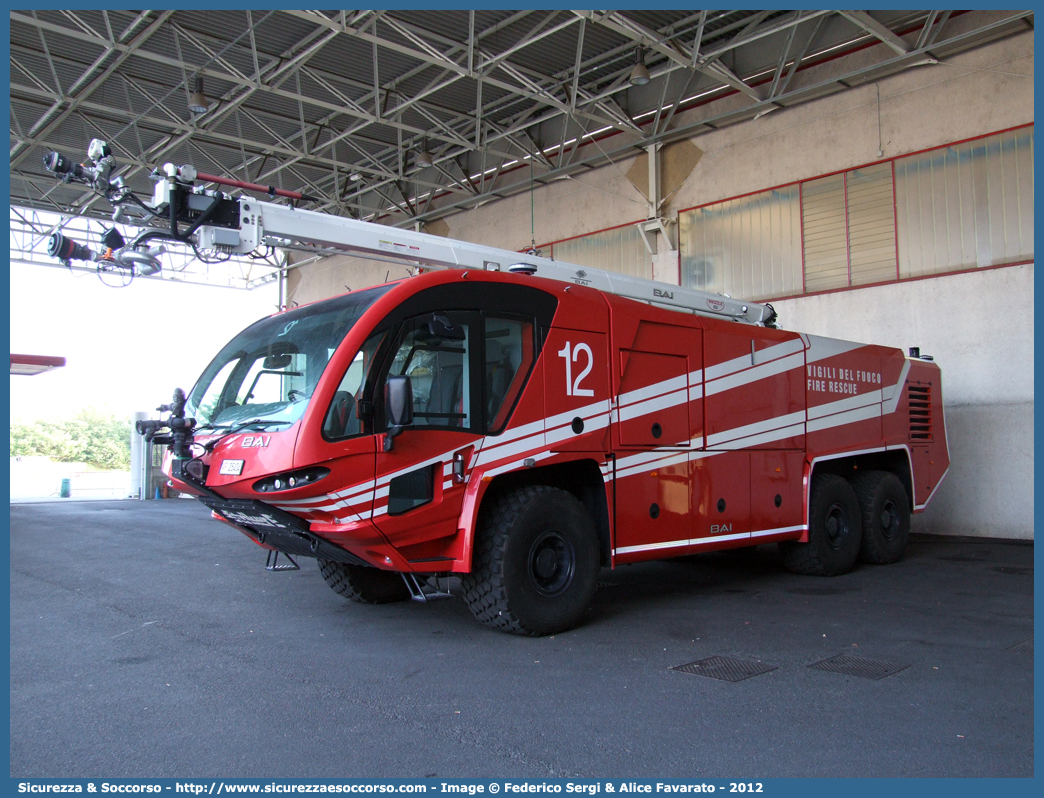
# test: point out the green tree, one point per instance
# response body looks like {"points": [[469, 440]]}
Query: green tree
{"points": [[91, 437]]}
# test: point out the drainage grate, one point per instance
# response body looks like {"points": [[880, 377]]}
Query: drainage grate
{"points": [[1025, 645], [857, 666], [725, 668]]}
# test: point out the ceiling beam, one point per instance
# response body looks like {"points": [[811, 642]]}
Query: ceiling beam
{"points": [[90, 81], [872, 26]]}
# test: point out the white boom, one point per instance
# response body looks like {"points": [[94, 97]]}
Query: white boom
{"points": [[266, 223], [279, 225], [218, 222]]}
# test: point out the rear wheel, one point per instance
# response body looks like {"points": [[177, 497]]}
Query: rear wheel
{"points": [[364, 584], [886, 516], [535, 563], [834, 530]]}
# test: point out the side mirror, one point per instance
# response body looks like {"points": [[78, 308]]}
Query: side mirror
{"points": [[398, 405]]}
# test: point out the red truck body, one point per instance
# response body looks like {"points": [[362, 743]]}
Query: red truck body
{"points": [[677, 433]]}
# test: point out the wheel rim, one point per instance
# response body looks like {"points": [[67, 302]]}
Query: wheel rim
{"points": [[551, 563], [889, 520], [836, 526]]}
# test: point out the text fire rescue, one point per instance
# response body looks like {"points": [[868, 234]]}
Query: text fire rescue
{"points": [[834, 380]]}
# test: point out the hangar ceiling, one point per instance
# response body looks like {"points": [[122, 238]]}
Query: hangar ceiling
{"points": [[407, 116]]}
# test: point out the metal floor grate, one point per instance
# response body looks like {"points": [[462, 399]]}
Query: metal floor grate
{"points": [[1025, 645], [857, 666], [726, 669]]}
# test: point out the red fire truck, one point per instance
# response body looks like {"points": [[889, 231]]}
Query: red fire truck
{"points": [[522, 423]]}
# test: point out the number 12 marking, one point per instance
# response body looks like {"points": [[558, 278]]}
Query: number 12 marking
{"points": [[573, 387]]}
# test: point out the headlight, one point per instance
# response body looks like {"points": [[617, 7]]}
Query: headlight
{"points": [[291, 479]]}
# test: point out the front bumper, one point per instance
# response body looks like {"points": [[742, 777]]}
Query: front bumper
{"points": [[280, 530]]}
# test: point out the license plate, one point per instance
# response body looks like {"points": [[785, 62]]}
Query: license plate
{"points": [[231, 467]]}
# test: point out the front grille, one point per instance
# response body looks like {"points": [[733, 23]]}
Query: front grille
{"points": [[921, 412]]}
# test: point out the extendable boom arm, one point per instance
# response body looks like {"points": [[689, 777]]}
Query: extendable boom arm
{"points": [[275, 225]]}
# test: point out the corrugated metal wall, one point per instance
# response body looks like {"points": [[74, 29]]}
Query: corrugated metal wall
{"points": [[826, 237], [871, 224], [964, 206], [619, 250], [748, 247]]}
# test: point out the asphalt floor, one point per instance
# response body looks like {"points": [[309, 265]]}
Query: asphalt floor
{"points": [[149, 641]]}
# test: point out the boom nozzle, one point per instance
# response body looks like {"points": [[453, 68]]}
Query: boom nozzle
{"points": [[61, 165], [64, 248]]}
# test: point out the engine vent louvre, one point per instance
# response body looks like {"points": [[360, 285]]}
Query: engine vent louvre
{"points": [[921, 412]]}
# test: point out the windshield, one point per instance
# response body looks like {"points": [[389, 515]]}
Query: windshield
{"points": [[269, 371]]}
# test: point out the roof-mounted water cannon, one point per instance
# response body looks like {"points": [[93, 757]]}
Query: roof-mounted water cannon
{"points": [[176, 213], [94, 173], [114, 256]]}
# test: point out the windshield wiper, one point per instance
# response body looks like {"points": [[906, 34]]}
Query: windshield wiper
{"points": [[256, 422], [233, 429]]}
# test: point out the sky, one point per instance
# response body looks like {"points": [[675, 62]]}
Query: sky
{"points": [[126, 349]]}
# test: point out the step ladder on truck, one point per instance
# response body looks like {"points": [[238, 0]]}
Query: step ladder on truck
{"points": [[519, 422]]}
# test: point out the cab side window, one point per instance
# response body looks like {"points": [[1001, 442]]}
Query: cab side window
{"points": [[439, 369], [509, 357], [342, 417]]}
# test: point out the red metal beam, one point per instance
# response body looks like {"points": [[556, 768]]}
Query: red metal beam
{"points": [[34, 364]]}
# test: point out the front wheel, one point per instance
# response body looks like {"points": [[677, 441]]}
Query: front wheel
{"points": [[364, 584], [834, 530], [535, 563]]}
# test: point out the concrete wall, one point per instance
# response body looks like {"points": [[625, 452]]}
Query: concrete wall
{"points": [[336, 275], [979, 325]]}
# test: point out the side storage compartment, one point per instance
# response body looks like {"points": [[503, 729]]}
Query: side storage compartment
{"points": [[776, 495]]}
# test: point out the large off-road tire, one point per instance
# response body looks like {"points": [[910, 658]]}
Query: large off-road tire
{"points": [[364, 584], [886, 516], [535, 564], [834, 530]]}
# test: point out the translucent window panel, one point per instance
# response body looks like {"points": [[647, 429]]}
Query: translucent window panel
{"points": [[826, 238], [871, 224], [509, 356], [342, 418], [621, 250], [1009, 184], [748, 247], [966, 206], [440, 371]]}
